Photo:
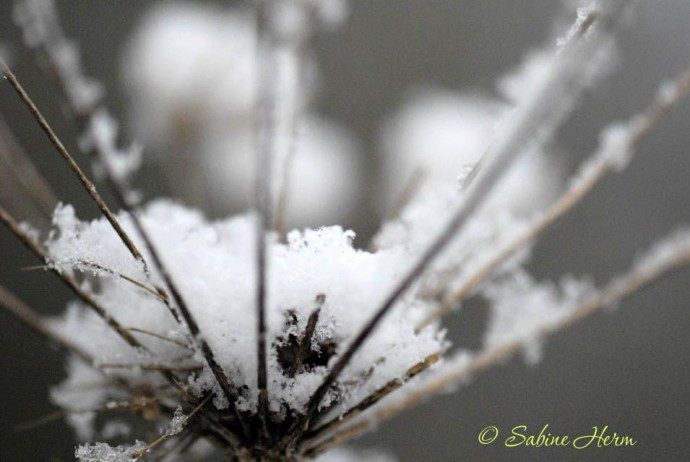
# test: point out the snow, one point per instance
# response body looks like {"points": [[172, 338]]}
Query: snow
{"points": [[101, 136], [346, 454], [520, 308], [326, 175], [102, 452], [192, 73], [177, 423], [212, 263]]}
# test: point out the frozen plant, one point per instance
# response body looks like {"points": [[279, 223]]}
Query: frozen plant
{"points": [[229, 338]]}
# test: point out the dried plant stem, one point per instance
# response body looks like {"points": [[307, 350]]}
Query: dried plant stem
{"points": [[119, 191], [371, 400], [110, 406], [131, 280], [74, 167], [291, 119], [99, 267], [69, 281], [33, 320], [167, 435], [529, 121], [19, 164], [586, 179], [266, 132], [615, 291], [160, 336], [153, 367]]}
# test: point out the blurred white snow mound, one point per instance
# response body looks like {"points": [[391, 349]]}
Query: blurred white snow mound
{"points": [[191, 74]]}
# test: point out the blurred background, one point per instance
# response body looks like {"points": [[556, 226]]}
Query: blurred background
{"points": [[627, 368]]}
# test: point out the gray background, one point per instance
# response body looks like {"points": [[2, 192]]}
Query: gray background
{"points": [[627, 369]]}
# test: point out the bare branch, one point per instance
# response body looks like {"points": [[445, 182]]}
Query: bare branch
{"points": [[32, 319], [372, 399], [159, 336], [153, 367], [18, 162], [71, 163], [79, 265], [69, 281], [266, 145], [167, 435]]}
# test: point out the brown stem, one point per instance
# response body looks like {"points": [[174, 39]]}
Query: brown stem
{"points": [[18, 162], [69, 281], [32, 319], [71, 163], [371, 400]]}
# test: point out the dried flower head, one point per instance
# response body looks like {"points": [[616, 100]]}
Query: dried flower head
{"points": [[237, 338]]}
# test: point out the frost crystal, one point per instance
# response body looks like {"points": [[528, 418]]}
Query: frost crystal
{"points": [[101, 135], [102, 452], [178, 422]]}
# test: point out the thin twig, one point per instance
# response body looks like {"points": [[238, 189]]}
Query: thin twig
{"points": [[159, 336], [167, 435], [18, 162], [71, 283], [266, 144], [372, 399], [72, 164], [32, 319], [153, 367], [587, 179], [107, 407], [99, 267]]}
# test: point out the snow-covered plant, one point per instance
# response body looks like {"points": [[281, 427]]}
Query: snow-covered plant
{"points": [[229, 337]]}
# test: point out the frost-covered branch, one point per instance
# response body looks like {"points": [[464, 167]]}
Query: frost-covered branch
{"points": [[371, 400], [668, 254], [100, 452], [29, 242], [43, 31], [618, 143], [540, 114]]}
